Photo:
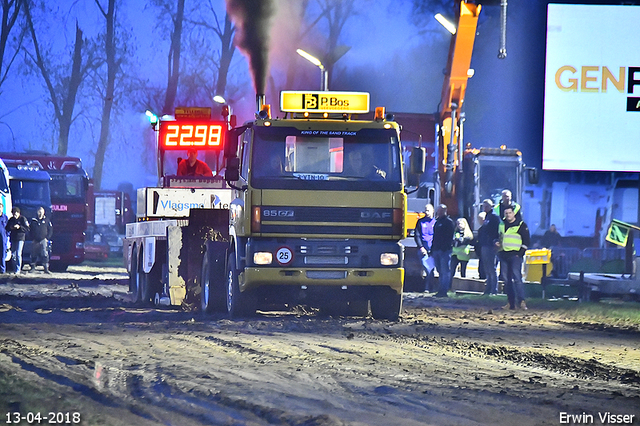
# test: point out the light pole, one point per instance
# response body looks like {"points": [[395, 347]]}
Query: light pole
{"points": [[324, 76]]}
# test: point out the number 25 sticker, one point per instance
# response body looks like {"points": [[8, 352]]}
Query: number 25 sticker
{"points": [[284, 256]]}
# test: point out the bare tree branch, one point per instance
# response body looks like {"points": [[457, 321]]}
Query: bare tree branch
{"points": [[39, 62], [10, 13]]}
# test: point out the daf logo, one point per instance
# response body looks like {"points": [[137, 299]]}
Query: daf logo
{"points": [[375, 215]]}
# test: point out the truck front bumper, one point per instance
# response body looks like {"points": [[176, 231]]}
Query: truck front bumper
{"points": [[253, 277]]}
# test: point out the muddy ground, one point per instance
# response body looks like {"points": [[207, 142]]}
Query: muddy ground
{"points": [[73, 343]]}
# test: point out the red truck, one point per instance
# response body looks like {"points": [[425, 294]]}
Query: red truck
{"points": [[69, 186]]}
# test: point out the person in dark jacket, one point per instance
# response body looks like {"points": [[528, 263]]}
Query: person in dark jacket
{"points": [[476, 246], [505, 202], [441, 248], [488, 239], [41, 232], [18, 228], [4, 239], [514, 241], [423, 235]]}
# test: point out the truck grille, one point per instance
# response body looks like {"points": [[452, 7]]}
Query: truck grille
{"points": [[326, 260], [326, 220], [323, 230], [327, 275], [327, 214]]}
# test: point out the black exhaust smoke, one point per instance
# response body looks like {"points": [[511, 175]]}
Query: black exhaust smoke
{"points": [[253, 23]]}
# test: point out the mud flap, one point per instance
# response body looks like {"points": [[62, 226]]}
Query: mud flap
{"points": [[214, 297], [204, 225]]}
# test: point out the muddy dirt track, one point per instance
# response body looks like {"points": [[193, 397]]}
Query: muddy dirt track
{"points": [[72, 343]]}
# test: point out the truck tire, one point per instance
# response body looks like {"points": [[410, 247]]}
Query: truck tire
{"points": [[213, 290], [134, 277], [147, 290], [386, 305], [238, 304], [143, 293]]}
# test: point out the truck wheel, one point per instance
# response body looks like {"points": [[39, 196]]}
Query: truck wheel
{"points": [[238, 304], [213, 292], [146, 292], [134, 277], [386, 305]]}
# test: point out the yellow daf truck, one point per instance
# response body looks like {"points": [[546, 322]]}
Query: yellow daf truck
{"points": [[317, 211]]}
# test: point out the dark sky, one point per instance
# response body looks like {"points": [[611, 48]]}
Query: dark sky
{"points": [[504, 101], [390, 57]]}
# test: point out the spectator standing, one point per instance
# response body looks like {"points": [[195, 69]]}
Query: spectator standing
{"points": [[4, 239], [441, 248], [461, 252], [488, 239], [505, 202], [18, 228], [514, 241], [423, 236], [41, 232], [476, 246], [551, 237]]}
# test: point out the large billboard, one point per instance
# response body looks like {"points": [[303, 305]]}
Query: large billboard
{"points": [[592, 88]]}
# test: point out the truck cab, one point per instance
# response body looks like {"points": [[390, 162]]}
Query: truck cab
{"points": [[318, 209]]}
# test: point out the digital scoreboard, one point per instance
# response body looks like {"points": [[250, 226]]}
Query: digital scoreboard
{"points": [[191, 133]]}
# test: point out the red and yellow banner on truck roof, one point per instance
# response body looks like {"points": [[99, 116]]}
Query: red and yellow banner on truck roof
{"points": [[332, 102]]}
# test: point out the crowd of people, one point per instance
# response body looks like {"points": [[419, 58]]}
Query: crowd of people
{"points": [[15, 231], [502, 238]]}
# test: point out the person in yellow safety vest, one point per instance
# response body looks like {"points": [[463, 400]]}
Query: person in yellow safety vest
{"points": [[461, 252], [514, 241], [504, 203]]}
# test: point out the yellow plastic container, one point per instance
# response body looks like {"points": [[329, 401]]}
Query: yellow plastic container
{"points": [[533, 261]]}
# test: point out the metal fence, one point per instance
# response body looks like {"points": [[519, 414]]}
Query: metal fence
{"points": [[568, 259]]}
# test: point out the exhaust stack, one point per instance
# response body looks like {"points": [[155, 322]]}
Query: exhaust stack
{"points": [[260, 98]]}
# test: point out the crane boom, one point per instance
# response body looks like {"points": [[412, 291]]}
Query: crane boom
{"points": [[453, 92]]}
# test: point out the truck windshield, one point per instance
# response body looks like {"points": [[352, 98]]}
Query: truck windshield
{"points": [[67, 187], [30, 193], [496, 176], [363, 160], [4, 184]]}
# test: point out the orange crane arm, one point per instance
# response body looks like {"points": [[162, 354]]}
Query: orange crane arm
{"points": [[459, 60], [453, 92]]}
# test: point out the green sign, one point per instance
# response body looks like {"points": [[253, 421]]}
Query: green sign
{"points": [[618, 233]]}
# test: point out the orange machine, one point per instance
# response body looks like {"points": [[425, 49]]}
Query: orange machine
{"points": [[453, 91]]}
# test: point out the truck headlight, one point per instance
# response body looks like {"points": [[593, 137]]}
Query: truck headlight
{"points": [[262, 258], [388, 259]]}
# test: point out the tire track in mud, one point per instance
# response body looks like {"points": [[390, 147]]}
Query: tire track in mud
{"points": [[560, 364], [119, 388], [570, 366], [336, 376]]}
